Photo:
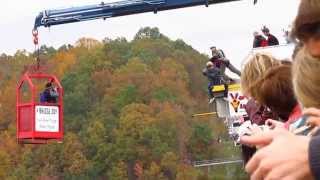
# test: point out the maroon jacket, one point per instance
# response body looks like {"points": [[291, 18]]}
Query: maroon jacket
{"points": [[258, 114]]}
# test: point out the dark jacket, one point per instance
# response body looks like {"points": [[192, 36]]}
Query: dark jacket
{"points": [[259, 41], [214, 75], [314, 156], [272, 40], [50, 95], [258, 114], [222, 64]]}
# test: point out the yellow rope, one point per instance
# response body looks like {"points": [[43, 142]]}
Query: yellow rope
{"points": [[204, 114]]}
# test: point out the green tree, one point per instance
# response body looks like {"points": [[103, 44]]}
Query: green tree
{"points": [[134, 118], [169, 165], [119, 171], [154, 172], [125, 102], [75, 161], [147, 32], [5, 164], [186, 172], [200, 142], [162, 94], [126, 96]]}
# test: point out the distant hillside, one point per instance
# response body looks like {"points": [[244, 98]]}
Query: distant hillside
{"points": [[128, 107]]}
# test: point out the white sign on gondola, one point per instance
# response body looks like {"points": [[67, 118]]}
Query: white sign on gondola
{"points": [[47, 119]]}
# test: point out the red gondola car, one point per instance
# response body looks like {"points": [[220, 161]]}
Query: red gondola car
{"points": [[38, 122]]}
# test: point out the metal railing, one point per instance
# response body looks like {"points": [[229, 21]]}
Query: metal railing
{"points": [[216, 162]]}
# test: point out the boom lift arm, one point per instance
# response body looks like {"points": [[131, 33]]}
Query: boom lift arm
{"points": [[103, 10]]}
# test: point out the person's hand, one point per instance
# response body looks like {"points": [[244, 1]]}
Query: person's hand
{"points": [[283, 156], [274, 124], [314, 116]]}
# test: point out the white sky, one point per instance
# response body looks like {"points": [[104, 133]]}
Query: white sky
{"points": [[228, 26]]}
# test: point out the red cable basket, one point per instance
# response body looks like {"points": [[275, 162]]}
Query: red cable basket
{"points": [[38, 121]]}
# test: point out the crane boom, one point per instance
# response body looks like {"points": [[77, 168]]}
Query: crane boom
{"points": [[107, 10]]}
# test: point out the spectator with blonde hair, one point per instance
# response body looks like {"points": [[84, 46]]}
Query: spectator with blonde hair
{"points": [[252, 71], [299, 158], [306, 79]]}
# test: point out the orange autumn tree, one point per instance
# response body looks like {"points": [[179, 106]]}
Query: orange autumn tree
{"points": [[126, 101]]}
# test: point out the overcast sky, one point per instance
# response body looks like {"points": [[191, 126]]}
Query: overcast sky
{"points": [[228, 26]]}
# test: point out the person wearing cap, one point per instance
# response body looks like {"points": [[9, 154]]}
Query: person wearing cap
{"points": [[272, 40], [220, 62], [259, 40], [218, 52]]}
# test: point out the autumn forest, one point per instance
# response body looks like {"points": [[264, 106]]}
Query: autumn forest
{"points": [[128, 109]]}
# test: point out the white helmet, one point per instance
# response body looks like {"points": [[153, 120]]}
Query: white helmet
{"points": [[209, 63]]}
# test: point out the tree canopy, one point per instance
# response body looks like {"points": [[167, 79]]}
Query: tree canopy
{"points": [[127, 113]]}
